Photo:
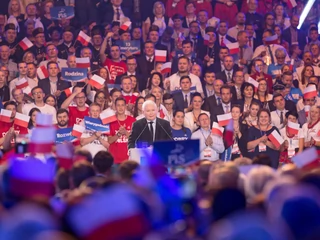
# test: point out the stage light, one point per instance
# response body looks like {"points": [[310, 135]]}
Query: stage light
{"points": [[305, 12]]}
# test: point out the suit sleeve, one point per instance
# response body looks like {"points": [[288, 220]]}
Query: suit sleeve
{"points": [[133, 136]]}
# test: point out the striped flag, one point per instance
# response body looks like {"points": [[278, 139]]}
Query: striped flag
{"points": [[271, 40], [125, 26], [42, 72], [42, 140], [307, 159], [21, 120], [291, 4], [77, 130], [233, 48], [96, 81], [224, 119], [276, 138], [21, 83], [228, 135], [293, 128], [108, 117], [306, 109], [160, 55], [206, 39], [217, 130], [65, 153], [25, 44], [83, 62], [5, 115], [68, 91], [166, 68], [291, 64], [253, 82], [310, 91], [83, 38]]}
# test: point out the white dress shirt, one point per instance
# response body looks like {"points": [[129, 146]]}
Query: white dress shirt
{"points": [[175, 82], [233, 32], [209, 152], [275, 118], [189, 120], [311, 133], [226, 107]]}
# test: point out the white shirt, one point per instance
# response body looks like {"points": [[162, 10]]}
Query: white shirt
{"points": [[209, 152], [275, 118], [233, 32], [62, 63], [32, 83], [175, 82], [292, 142], [189, 120], [311, 133], [95, 146], [299, 75], [46, 109], [122, 16], [300, 105], [263, 48], [225, 40], [226, 107]]}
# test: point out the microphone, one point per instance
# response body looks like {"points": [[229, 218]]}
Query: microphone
{"points": [[165, 130], [135, 142]]}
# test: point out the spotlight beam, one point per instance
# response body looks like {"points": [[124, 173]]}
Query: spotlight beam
{"points": [[305, 12]]}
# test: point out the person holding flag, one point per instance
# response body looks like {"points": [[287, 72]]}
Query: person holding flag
{"points": [[257, 73], [119, 132], [293, 136]]}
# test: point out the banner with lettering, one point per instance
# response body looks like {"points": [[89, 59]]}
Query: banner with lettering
{"points": [[63, 12], [96, 125], [65, 135], [74, 74], [131, 46]]}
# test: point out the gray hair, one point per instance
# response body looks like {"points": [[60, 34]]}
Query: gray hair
{"points": [[280, 51], [147, 103], [162, 5]]}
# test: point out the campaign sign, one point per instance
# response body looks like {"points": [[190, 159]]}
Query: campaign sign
{"points": [[95, 125], [74, 74], [177, 153], [192, 89], [64, 135], [131, 46], [112, 86], [179, 53], [58, 13]]}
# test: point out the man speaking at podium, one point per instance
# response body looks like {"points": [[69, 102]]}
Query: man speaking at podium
{"points": [[150, 129]]}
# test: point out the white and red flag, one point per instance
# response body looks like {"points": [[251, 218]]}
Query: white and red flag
{"points": [[293, 128], [96, 81], [276, 138], [68, 91], [291, 4], [271, 40], [5, 115], [43, 120], [42, 140], [83, 62], [108, 117], [291, 64], [228, 135], [21, 83], [217, 130], [160, 55], [310, 91], [306, 109], [253, 82], [21, 120], [166, 68], [65, 153], [307, 159], [25, 44], [233, 48], [77, 130], [224, 119], [83, 38], [206, 39], [42, 72], [125, 26]]}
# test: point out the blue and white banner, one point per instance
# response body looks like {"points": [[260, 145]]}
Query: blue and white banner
{"points": [[65, 135], [177, 153], [192, 89], [58, 13], [112, 86], [131, 46], [74, 74], [95, 125]]}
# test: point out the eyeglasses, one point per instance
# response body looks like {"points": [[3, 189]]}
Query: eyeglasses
{"points": [[37, 93]]}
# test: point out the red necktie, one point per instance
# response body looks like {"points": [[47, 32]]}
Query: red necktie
{"points": [[222, 43]]}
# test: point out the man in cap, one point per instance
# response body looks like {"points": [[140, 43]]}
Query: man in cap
{"points": [[66, 48], [38, 49]]}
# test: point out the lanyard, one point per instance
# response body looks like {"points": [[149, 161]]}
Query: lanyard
{"points": [[205, 138]]}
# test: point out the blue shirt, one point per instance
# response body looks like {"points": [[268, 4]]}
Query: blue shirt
{"points": [[294, 95], [181, 135]]}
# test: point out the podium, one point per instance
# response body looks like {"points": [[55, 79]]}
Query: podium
{"points": [[140, 155]]}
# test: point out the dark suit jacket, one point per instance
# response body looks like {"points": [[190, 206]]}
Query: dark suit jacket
{"points": [[44, 84], [289, 105], [138, 76], [286, 35], [179, 100], [144, 69], [107, 12], [210, 105], [223, 76], [302, 118], [141, 133]]}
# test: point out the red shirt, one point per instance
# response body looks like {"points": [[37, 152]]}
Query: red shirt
{"points": [[119, 149], [115, 69], [268, 79], [4, 128], [130, 99], [76, 116]]}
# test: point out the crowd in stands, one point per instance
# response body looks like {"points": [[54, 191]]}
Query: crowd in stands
{"points": [[202, 66]]}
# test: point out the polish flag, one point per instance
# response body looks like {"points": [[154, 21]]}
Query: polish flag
{"points": [[276, 138], [123, 220], [25, 44], [291, 4], [233, 48], [77, 130], [108, 117], [228, 135], [253, 82], [291, 64], [65, 153], [224, 119], [271, 40], [32, 177], [83, 62], [125, 26], [42, 72], [83, 38], [96, 81], [160, 55], [217, 130], [43, 120], [27, 90], [166, 68], [310, 91], [68, 91], [5, 115], [206, 39], [306, 110], [21, 120], [293, 128], [307, 159], [21, 83], [161, 114], [42, 140]]}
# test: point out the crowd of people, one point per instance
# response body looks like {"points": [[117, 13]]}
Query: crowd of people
{"points": [[203, 69]]}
